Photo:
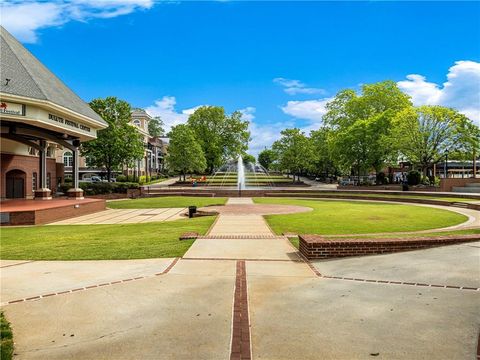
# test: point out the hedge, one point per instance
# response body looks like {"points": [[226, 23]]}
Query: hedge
{"points": [[100, 188]]}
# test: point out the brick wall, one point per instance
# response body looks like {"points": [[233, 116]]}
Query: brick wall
{"points": [[29, 165], [449, 183], [45, 216], [317, 247]]}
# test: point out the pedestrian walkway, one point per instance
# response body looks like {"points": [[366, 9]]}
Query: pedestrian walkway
{"points": [[241, 293], [239, 235]]}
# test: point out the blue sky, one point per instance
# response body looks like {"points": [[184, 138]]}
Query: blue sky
{"points": [[278, 62]]}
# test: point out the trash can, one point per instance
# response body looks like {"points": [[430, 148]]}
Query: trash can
{"points": [[191, 210]]}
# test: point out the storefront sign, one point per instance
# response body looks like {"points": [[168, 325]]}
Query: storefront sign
{"points": [[67, 122], [12, 108]]}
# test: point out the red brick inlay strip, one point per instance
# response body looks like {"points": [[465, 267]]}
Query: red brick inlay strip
{"points": [[478, 347], [38, 297], [240, 347]]}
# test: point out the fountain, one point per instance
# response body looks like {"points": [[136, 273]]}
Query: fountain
{"points": [[235, 173], [240, 173]]}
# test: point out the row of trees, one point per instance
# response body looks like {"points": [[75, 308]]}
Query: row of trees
{"points": [[368, 131], [208, 139]]}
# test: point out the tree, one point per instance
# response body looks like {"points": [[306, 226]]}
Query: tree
{"points": [[425, 133], [322, 162], [221, 137], [249, 159], [119, 143], [184, 152], [364, 123], [155, 127], [294, 151], [266, 158]]}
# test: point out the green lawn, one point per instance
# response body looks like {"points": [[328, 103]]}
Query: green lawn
{"points": [[166, 202], [352, 217], [382, 196], [6, 338], [101, 242]]}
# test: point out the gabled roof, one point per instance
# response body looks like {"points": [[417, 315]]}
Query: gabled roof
{"points": [[30, 78]]}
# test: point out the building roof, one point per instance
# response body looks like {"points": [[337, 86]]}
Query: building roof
{"points": [[30, 78], [138, 112]]}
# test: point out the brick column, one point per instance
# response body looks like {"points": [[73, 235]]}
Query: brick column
{"points": [[43, 192], [75, 192]]}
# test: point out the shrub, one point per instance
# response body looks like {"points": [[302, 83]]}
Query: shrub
{"points": [[414, 177], [121, 178], [381, 179], [64, 187], [101, 188]]}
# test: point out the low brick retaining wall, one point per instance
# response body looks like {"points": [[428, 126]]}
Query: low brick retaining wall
{"points": [[318, 247]]}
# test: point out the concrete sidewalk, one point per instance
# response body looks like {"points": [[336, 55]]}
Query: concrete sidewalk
{"points": [[188, 308], [126, 216]]}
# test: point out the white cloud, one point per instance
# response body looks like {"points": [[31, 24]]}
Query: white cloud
{"points": [[248, 113], [165, 108], [293, 87], [24, 18], [312, 110], [262, 135], [461, 90]]}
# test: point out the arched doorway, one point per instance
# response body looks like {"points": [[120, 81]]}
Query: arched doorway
{"points": [[15, 183]]}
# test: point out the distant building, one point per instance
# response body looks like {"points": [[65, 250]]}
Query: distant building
{"points": [[40, 118], [155, 147]]}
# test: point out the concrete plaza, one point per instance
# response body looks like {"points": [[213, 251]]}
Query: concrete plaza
{"points": [[414, 305]]}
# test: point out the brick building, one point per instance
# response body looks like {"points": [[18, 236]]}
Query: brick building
{"points": [[40, 116], [152, 162]]}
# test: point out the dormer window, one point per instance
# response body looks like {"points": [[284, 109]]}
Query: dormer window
{"points": [[136, 123]]}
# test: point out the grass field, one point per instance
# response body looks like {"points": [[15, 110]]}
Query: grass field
{"points": [[6, 338], [166, 202], [101, 242], [382, 196], [352, 217]]}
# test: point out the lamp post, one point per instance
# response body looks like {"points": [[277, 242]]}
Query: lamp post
{"points": [[446, 164]]}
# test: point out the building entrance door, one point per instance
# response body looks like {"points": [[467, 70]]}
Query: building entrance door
{"points": [[15, 184]]}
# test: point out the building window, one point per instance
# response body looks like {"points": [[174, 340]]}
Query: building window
{"points": [[49, 180], [50, 151], [137, 123], [67, 158], [34, 181]]}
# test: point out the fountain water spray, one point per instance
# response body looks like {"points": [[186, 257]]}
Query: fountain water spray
{"points": [[240, 173]]}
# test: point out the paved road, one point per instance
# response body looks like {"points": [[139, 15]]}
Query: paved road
{"points": [[214, 304]]}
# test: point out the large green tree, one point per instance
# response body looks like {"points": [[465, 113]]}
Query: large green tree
{"points": [[294, 152], [185, 154], [118, 144], [266, 158], [249, 159], [221, 136], [425, 133], [155, 127], [322, 163], [362, 124]]}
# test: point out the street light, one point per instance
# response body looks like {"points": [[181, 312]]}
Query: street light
{"points": [[446, 164]]}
